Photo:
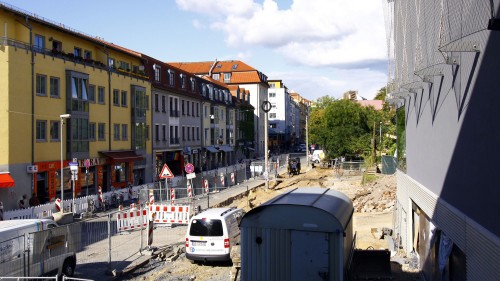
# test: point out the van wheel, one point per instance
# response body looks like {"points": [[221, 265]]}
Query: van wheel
{"points": [[68, 267]]}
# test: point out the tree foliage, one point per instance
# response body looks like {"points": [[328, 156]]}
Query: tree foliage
{"points": [[345, 128]]}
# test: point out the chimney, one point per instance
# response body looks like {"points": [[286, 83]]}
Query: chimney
{"points": [[212, 68]]}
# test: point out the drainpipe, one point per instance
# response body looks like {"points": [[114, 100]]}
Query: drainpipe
{"points": [[27, 25], [109, 101]]}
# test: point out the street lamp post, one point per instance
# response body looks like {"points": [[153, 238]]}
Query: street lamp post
{"points": [[62, 116]]}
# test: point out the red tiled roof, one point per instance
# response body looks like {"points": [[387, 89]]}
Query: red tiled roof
{"points": [[245, 77], [220, 66]]}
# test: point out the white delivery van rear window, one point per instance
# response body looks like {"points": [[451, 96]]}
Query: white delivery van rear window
{"points": [[206, 228]]}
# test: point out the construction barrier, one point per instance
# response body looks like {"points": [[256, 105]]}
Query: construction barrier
{"points": [[232, 178], [151, 197], [58, 204], [172, 196], [130, 220], [169, 214], [189, 189], [205, 185]]}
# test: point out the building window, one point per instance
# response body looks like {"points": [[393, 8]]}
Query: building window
{"points": [[197, 109], [192, 84], [192, 108], [157, 71], [272, 115], [124, 132], [272, 95], [172, 135], [182, 108], [116, 97], [87, 55], [54, 87], [77, 52], [183, 133], [54, 130], [100, 95], [183, 81], [215, 76], [124, 66], [91, 131], [192, 132], [56, 46], [157, 132], [41, 85], [227, 77], [39, 43], [101, 131], [41, 130], [197, 133], [124, 98], [79, 93], [92, 93], [111, 63], [171, 78], [164, 132], [116, 131], [157, 103], [187, 108], [163, 104]]}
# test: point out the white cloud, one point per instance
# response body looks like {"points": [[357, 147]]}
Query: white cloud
{"points": [[334, 83], [310, 32]]}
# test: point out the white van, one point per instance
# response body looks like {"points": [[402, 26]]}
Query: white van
{"points": [[317, 156], [211, 234], [29, 255]]}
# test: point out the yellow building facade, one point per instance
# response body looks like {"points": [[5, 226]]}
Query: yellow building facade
{"points": [[50, 75]]}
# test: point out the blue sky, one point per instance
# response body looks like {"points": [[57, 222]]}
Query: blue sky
{"points": [[317, 47]]}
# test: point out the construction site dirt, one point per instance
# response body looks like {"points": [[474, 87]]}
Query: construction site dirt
{"points": [[373, 201]]}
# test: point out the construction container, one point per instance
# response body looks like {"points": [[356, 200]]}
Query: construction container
{"points": [[304, 234]]}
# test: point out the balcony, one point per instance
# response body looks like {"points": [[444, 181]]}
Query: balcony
{"points": [[174, 141]]}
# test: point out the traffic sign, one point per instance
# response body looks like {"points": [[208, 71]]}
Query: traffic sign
{"points": [[166, 173], [189, 168]]}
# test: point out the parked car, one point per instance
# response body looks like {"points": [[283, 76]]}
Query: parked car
{"points": [[211, 234]]}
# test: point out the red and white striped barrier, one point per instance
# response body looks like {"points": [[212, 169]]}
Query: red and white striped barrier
{"points": [[99, 191], [130, 220], [232, 178], [189, 189], [172, 195], [151, 197], [169, 214], [58, 204], [205, 185], [150, 233], [222, 179]]}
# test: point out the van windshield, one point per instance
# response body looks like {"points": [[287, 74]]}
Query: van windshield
{"points": [[206, 228]]}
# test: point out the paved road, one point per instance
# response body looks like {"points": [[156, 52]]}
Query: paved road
{"points": [[93, 260]]}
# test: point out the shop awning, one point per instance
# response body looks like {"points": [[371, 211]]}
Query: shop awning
{"points": [[122, 156], [6, 180], [211, 149], [226, 148]]}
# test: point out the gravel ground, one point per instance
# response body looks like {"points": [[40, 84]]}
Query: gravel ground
{"points": [[373, 203]]}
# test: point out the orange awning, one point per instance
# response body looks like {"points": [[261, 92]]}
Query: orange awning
{"points": [[6, 181]]}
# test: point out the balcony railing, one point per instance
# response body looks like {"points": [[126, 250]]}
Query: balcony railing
{"points": [[174, 141], [174, 113]]}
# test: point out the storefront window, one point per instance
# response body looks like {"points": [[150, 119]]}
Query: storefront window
{"points": [[120, 172]]}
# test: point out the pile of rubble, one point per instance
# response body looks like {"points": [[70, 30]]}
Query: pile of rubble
{"points": [[377, 196]]}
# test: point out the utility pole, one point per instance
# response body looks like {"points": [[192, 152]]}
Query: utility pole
{"points": [[373, 144], [307, 136]]}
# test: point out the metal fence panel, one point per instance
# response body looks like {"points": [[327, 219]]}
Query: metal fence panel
{"points": [[12, 256]]}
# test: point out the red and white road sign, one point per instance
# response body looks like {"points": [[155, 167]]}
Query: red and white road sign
{"points": [[189, 168], [232, 177], [166, 173], [205, 185], [189, 189]]}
